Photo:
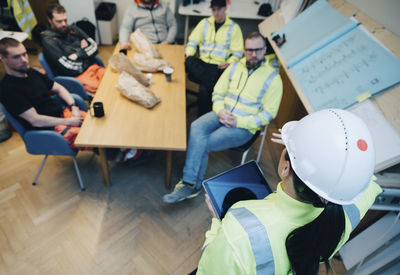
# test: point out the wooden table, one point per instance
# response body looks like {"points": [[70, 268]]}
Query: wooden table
{"points": [[129, 125]]}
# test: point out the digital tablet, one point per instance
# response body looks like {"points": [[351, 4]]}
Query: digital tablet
{"points": [[243, 182]]}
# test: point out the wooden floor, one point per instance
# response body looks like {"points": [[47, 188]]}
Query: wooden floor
{"points": [[54, 228]]}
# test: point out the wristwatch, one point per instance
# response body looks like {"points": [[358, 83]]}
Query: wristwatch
{"points": [[72, 105]]}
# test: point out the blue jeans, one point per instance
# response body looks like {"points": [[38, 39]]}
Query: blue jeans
{"points": [[207, 135]]}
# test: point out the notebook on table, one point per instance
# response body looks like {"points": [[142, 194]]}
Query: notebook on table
{"points": [[245, 181]]}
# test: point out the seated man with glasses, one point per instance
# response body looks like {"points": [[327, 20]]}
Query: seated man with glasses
{"points": [[246, 97], [220, 43]]}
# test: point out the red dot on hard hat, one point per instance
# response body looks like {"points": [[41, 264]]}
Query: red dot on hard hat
{"points": [[362, 145]]}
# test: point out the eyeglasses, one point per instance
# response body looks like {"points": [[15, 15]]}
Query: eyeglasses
{"points": [[256, 50]]}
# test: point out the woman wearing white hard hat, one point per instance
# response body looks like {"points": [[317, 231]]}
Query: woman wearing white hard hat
{"points": [[327, 187]]}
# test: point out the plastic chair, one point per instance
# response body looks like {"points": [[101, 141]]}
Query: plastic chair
{"points": [[47, 142], [245, 148], [70, 83], [192, 89]]}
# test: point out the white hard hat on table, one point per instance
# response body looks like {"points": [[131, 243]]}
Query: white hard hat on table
{"points": [[332, 153]]}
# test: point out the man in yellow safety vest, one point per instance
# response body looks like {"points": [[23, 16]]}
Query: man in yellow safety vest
{"points": [[220, 43], [246, 97]]}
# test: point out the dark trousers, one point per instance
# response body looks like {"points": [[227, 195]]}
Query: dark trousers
{"points": [[206, 75]]}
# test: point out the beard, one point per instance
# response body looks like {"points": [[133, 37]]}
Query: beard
{"points": [[23, 70], [62, 30], [252, 65]]}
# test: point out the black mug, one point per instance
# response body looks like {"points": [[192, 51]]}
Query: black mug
{"points": [[98, 109]]}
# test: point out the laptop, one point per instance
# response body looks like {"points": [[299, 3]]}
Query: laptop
{"points": [[243, 182]]}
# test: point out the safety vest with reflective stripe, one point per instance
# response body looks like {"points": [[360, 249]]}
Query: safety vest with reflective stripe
{"points": [[24, 15], [254, 100], [251, 238], [225, 45]]}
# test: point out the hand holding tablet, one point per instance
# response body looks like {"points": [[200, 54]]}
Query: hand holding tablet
{"points": [[243, 182]]}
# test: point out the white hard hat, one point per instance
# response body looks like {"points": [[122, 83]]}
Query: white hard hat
{"points": [[332, 153]]}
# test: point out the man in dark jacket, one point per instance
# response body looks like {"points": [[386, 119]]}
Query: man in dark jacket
{"points": [[69, 50]]}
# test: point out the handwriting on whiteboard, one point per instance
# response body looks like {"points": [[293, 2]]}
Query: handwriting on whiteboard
{"points": [[352, 65], [339, 65]]}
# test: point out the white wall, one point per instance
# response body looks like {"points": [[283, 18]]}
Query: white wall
{"points": [[122, 5], [79, 9]]}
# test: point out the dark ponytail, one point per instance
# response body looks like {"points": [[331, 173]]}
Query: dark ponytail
{"points": [[316, 241]]}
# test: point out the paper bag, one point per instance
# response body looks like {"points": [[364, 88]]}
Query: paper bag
{"points": [[121, 63], [150, 65], [143, 45], [136, 92]]}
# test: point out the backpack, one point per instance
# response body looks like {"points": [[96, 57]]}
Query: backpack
{"points": [[87, 27]]}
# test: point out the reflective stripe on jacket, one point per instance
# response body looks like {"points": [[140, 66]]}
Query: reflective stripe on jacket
{"points": [[57, 47], [254, 100], [24, 15], [225, 45], [251, 238]]}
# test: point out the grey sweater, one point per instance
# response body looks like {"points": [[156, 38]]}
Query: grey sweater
{"points": [[157, 24]]}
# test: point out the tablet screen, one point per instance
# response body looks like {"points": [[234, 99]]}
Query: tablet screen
{"points": [[246, 180]]}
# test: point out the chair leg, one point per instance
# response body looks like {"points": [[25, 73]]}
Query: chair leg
{"points": [[193, 104], [244, 156], [78, 173], [261, 145], [40, 170]]}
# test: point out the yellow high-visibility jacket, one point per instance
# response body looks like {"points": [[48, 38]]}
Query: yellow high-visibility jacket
{"points": [[225, 45], [254, 100], [251, 238], [24, 15]]}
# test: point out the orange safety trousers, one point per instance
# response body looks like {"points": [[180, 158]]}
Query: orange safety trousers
{"points": [[69, 133], [91, 78]]}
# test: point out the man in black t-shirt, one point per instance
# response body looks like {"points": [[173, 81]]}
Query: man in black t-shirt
{"points": [[22, 93], [25, 92]]}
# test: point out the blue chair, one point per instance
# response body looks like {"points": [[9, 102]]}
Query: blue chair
{"points": [[70, 83], [47, 142]]}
